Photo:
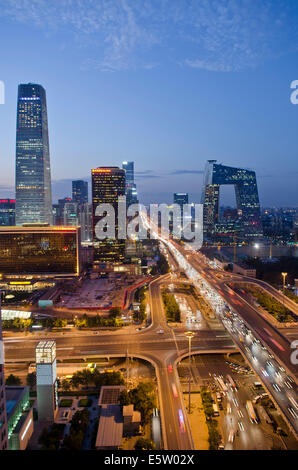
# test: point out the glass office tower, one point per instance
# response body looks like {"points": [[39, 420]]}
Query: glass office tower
{"points": [[7, 212], [247, 199], [108, 184], [130, 187], [181, 198], [80, 191], [33, 173]]}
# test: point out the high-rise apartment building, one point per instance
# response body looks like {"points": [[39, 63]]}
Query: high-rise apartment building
{"points": [[33, 173], [247, 199], [130, 187], [80, 191], [108, 184], [3, 416]]}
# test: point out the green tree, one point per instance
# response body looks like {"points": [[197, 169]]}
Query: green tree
{"points": [[115, 312], [31, 379], [143, 399], [65, 385], [144, 444], [79, 424], [59, 323], [13, 380]]}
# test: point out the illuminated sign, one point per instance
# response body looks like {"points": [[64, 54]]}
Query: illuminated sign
{"points": [[19, 283]]}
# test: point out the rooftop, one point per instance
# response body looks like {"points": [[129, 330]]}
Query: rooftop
{"points": [[110, 429], [37, 228], [14, 395], [109, 394]]}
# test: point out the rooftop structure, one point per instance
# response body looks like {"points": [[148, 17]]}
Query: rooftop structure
{"points": [[110, 429], [109, 394]]}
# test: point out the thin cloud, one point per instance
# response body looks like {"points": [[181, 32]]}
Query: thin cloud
{"points": [[147, 176], [187, 172], [218, 36]]}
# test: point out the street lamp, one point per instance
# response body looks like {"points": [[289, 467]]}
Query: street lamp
{"points": [[284, 275], [189, 335]]}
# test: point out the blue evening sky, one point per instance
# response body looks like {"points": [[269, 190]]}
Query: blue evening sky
{"points": [[166, 83]]}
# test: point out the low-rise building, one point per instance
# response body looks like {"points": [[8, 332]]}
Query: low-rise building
{"points": [[19, 417], [131, 420], [110, 428], [244, 270]]}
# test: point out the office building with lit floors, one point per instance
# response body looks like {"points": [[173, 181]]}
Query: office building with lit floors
{"points": [[108, 187], [3, 416], [248, 225], [39, 251], [46, 380], [33, 173], [7, 212]]}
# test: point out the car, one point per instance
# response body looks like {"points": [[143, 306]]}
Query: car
{"points": [[293, 412], [240, 425], [231, 436], [174, 389], [181, 420], [160, 332], [170, 368], [276, 387]]}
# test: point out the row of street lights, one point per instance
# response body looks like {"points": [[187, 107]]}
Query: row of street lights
{"points": [[189, 335]]}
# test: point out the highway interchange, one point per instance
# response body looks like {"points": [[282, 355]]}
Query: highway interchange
{"points": [[164, 347]]}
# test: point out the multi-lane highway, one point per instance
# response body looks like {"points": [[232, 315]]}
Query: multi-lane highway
{"points": [[267, 350], [159, 344]]}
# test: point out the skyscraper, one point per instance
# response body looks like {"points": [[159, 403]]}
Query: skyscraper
{"points": [[70, 214], [7, 212], [80, 191], [85, 221], [130, 187], [33, 173], [108, 184], [181, 198], [247, 199], [3, 418]]}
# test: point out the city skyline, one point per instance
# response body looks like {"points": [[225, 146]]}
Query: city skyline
{"points": [[169, 113], [148, 228]]}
